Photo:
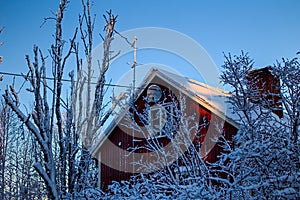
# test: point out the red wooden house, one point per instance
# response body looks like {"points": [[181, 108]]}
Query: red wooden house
{"points": [[158, 114]]}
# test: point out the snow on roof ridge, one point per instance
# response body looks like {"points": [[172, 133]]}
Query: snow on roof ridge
{"points": [[190, 80], [227, 93]]}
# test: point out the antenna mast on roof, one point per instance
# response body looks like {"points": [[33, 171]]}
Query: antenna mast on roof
{"points": [[133, 65]]}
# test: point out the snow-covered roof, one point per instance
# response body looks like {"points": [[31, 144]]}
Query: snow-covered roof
{"points": [[213, 99]]}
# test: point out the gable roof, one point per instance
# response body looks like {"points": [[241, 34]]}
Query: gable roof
{"points": [[211, 98], [214, 99]]}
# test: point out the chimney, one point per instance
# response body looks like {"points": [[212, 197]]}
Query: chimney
{"points": [[265, 89]]}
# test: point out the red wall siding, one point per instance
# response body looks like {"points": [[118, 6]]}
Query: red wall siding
{"points": [[114, 155], [110, 157]]}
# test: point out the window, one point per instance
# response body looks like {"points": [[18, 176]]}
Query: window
{"points": [[162, 120], [157, 119], [162, 111], [154, 93]]}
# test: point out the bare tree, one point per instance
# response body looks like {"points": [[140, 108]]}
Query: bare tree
{"points": [[3, 146], [263, 161], [61, 159], [93, 117], [1, 59], [289, 73], [18, 179]]}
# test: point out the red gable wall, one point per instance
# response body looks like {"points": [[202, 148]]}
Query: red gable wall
{"points": [[121, 137]]}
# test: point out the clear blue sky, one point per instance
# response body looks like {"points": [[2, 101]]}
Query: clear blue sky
{"points": [[267, 29]]}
